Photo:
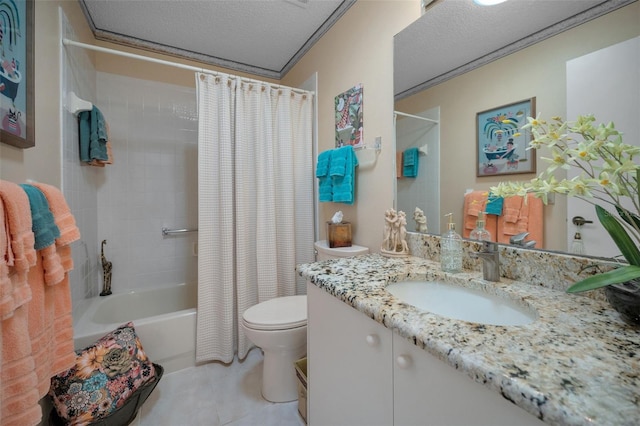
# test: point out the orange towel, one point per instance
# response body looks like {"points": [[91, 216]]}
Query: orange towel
{"points": [[20, 254], [399, 164], [474, 203], [19, 394], [6, 287], [18, 222], [522, 216], [109, 160], [62, 216], [58, 290]]}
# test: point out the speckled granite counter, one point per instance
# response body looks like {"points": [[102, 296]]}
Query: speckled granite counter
{"points": [[578, 364]]}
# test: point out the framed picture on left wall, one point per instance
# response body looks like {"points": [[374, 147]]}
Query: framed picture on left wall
{"points": [[16, 73]]}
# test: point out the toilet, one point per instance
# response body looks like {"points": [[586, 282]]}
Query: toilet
{"points": [[279, 327], [324, 252]]}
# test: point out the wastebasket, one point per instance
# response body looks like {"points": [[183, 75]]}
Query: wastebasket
{"points": [[301, 374]]}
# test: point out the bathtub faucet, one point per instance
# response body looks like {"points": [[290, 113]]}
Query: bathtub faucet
{"points": [[106, 272]]}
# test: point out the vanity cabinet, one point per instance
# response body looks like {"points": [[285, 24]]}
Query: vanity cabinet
{"points": [[362, 373], [349, 364]]}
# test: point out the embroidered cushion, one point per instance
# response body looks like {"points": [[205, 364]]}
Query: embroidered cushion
{"points": [[104, 377]]}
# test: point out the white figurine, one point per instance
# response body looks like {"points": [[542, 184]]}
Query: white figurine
{"points": [[395, 232], [421, 220]]}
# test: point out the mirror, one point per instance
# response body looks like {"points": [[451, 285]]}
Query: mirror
{"points": [[434, 70]]}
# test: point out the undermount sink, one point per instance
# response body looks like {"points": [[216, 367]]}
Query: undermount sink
{"points": [[461, 303]]}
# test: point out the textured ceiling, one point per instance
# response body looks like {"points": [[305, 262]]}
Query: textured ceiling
{"points": [[261, 37], [455, 36]]}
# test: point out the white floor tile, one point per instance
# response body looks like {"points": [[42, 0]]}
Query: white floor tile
{"points": [[216, 394]]}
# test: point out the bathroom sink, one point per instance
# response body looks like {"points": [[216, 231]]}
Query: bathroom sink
{"points": [[461, 303]]}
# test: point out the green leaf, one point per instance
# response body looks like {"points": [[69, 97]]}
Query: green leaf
{"points": [[629, 217], [619, 236], [615, 276]]}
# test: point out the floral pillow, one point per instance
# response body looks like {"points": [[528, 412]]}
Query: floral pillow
{"points": [[105, 375]]}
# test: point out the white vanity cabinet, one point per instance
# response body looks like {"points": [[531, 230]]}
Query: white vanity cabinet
{"points": [[427, 391], [349, 365], [361, 373]]}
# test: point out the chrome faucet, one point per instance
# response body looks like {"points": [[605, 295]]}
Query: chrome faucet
{"points": [[519, 240], [490, 260]]}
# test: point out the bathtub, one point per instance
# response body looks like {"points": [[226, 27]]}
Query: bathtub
{"points": [[164, 318]]}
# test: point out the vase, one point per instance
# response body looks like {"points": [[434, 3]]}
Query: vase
{"points": [[625, 298]]}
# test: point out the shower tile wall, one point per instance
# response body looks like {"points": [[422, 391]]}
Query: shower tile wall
{"points": [[152, 183], [425, 188], [79, 182]]}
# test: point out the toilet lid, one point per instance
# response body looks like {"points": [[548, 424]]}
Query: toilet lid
{"points": [[280, 313]]}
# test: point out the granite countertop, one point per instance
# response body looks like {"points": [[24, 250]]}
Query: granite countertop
{"points": [[577, 364]]}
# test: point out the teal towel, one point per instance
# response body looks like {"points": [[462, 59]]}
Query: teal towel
{"points": [[410, 162], [43, 224], [325, 186], [340, 158], [93, 135], [494, 205], [322, 165], [84, 129], [344, 186]]}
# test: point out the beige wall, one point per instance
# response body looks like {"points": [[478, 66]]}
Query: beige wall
{"points": [[359, 49], [538, 71], [43, 162]]}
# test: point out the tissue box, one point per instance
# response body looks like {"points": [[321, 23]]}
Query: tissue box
{"points": [[339, 234]]}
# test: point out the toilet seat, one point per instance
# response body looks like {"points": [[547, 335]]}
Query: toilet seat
{"points": [[280, 313]]}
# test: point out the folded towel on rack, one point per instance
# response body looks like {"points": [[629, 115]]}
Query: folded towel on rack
{"points": [[43, 226], [340, 161], [322, 165], [344, 186], [19, 252], [93, 136], [325, 186], [410, 162], [494, 205], [18, 386], [6, 287], [58, 291], [512, 207], [62, 216]]}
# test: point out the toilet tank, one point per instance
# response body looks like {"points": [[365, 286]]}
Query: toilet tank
{"points": [[324, 252]]}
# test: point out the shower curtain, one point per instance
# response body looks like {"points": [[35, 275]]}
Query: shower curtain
{"points": [[255, 196]]}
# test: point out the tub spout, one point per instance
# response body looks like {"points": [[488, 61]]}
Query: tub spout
{"points": [[106, 272]]}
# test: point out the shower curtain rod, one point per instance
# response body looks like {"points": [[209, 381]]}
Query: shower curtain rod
{"points": [[415, 116], [68, 42]]}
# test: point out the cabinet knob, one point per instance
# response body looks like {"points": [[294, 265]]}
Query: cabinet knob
{"points": [[373, 340], [403, 361]]}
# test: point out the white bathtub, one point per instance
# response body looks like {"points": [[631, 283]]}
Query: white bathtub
{"points": [[164, 318]]}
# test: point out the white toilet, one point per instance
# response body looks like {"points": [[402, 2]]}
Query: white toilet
{"points": [[324, 252], [279, 327]]}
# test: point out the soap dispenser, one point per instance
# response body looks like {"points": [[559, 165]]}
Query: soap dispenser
{"points": [[451, 248], [480, 233]]}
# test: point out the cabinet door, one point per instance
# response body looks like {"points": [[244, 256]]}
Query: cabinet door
{"points": [[349, 366], [427, 391]]}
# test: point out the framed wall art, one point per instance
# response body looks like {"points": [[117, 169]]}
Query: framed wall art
{"points": [[16, 73], [348, 110], [501, 142]]}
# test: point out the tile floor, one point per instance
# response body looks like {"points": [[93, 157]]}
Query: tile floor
{"points": [[216, 394]]}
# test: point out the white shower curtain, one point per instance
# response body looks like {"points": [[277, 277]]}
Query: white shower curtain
{"points": [[255, 192]]}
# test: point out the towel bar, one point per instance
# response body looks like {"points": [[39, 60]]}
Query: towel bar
{"points": [[167, 231]]}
